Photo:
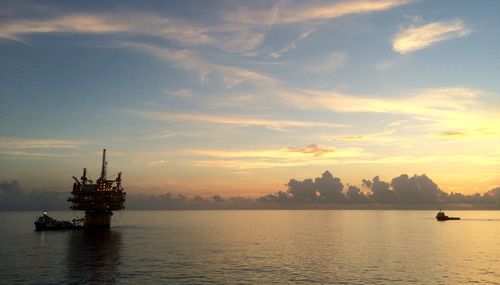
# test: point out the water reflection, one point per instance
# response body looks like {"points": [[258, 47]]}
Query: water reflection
{"points": [[93, 256]]}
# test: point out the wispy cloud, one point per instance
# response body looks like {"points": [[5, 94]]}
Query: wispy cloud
{"points": [[288, 14], [448, 107], [182, 93], [234, 120], [157, 162], [188, 60], [468, 133], [332, 62], [22, 143], [429, 101], [292, 45], [269, 158], [131, 23], [414, 38], [369, 136], [313, 149]]}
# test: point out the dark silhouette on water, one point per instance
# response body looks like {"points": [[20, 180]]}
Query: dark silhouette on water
{"points": [[46, 222], [98, 200], [440, 216]]}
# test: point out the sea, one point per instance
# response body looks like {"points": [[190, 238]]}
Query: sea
{"points": [[256, 247]]}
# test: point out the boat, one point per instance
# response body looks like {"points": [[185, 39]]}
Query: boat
{"points": [[440, 216], [46, 223], [98, 200]]}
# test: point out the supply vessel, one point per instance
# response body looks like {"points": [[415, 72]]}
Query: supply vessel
{"points": [[440, 216]]}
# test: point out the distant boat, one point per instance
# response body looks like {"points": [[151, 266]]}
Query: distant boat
{"points": [[440, 216]]}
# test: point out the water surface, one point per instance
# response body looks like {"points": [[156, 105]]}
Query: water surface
{"points": [[256, 247]]}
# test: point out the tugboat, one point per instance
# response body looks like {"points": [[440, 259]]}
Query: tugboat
{"points": [[98, 200], [45, 223], [440, 216]]}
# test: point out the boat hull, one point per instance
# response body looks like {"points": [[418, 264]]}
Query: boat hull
{"points": [[447, 218], [60, 226]]}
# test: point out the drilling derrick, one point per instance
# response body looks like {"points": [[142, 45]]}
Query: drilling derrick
{"points": [[98, 199]]}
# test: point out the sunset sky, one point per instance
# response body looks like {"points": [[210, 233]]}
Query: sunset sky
{"points": [[237, 97]]}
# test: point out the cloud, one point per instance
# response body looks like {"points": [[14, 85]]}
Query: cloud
{"points": [[130, 23], [385, 65], [382, 136], [233, 120], [311, 149], [182, 93], [429, 101], [292, 45], [288, 14], [13, 197], [446, 107], [188, 60], [454, 133], [470, 133], [416, 189], [397, 123], [272, 158], [22, 143], [380, 191], [330, 63], [414, 38], [157, 162]]}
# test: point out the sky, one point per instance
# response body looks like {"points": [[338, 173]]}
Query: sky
{"points": [[237, 97]]}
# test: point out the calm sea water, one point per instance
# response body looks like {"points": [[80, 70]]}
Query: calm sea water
{"points": [[256, 247]]}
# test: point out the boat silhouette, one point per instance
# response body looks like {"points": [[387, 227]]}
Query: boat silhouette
{"points": [[440, 216]]}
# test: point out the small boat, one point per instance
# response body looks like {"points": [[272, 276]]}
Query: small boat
{"points": [[440, 216], [46, 223]]}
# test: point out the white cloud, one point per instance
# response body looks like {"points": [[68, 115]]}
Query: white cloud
{"points": [[447, 108], [234, 120], [414, 38], [292, 45]]}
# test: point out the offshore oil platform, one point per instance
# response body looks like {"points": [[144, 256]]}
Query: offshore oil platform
{"points": [[98, 200]]}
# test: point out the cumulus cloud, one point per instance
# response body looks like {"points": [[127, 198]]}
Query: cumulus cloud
{"points": [[324, 190], [414, 38], [355, 196], [380, 191], [329, 188], [416, 189], [13, 197]]}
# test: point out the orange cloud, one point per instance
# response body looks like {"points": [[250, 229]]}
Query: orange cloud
{"points": [[311, 149]]}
